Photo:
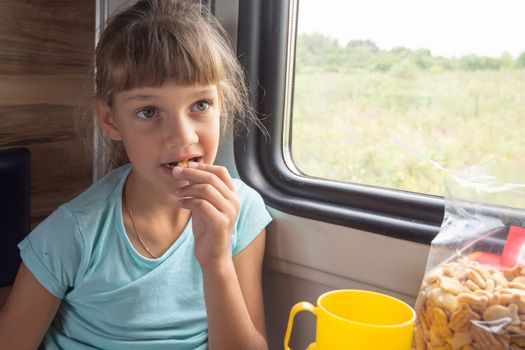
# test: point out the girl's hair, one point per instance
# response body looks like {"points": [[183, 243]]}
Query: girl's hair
{"points": [[155, 41]]}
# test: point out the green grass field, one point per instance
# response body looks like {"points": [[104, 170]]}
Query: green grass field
{"points": [[382, 129]]}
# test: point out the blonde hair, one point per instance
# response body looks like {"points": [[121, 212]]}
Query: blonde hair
{"points": [[155, 41]]}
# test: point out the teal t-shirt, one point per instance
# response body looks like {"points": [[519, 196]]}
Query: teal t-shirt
{"points": [[112, 297]]}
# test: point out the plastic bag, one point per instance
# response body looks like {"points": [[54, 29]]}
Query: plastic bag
{"points": [[473, 291]]}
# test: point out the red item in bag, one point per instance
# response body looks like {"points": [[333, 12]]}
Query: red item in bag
{"points": [[513, 252]]}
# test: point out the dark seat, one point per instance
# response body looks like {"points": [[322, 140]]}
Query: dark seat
{"points": [[15, 191]]}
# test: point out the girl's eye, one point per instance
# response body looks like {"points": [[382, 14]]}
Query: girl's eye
{"points": [[201, 106], [147, 113]]}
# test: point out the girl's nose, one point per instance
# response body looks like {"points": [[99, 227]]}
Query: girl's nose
{"points": [[180, 131]]}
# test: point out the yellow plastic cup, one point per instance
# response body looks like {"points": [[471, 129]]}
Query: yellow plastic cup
{"points": [[352, 319]]}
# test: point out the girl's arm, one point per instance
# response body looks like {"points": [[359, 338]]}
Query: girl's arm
{"points": [[232, 286], [4, 293], [234, 302], [27, 313], [248, 265]]}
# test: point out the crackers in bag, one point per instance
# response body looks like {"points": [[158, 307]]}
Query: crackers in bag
{"points": [[464, 305]]}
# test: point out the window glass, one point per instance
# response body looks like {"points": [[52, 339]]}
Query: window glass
{"points": [[384, 88]]}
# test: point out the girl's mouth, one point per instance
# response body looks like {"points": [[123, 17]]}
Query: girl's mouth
{"points": [[183, 163]]}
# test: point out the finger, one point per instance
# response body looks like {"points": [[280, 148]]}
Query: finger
{"points": [[220, 171], [210, 194], [203, 208], [217, 176]]}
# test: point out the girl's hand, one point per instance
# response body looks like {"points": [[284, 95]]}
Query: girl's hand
{"points": [[214, 204]]}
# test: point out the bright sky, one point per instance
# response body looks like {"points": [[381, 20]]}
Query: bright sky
{"points": [[445, 27]]}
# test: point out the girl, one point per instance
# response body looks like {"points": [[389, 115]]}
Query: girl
{"points": [[155, 255]]}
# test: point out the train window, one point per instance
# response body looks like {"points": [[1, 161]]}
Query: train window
{"points": [[352, 116], [381, 89]]}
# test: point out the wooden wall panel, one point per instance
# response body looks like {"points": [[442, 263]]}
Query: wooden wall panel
{"points": [[23, 89], [22, 126], [46, 36], [46, 49], [63, 174]]}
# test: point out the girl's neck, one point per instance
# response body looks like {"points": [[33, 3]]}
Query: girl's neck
{"points": [[156, 216], [148, 200]]}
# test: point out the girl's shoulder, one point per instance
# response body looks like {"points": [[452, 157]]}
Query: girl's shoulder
{"points": [[251, 201], [252, 218], [245, 191], [103, 192], [97, 204], [58, 251]]}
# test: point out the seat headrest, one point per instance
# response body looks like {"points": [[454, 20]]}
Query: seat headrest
{"points": [[15, 223]]}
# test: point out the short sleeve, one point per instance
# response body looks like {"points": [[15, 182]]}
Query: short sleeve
{"points": [[53, 252], [253, 217]]}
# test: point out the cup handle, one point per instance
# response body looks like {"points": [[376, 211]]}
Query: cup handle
{"points": [[301, 306]]}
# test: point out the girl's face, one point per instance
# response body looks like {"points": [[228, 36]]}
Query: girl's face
{"points": [[160, 126]]}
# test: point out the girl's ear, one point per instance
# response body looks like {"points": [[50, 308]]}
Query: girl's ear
{"points": [[106, 120]]}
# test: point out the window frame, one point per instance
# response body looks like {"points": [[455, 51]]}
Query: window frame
{"points": [[265, 27]]}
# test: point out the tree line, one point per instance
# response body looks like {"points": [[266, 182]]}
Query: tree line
{"points": [[317, 52]]}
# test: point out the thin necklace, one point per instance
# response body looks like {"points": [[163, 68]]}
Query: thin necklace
{"points": [[131, 215]]}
